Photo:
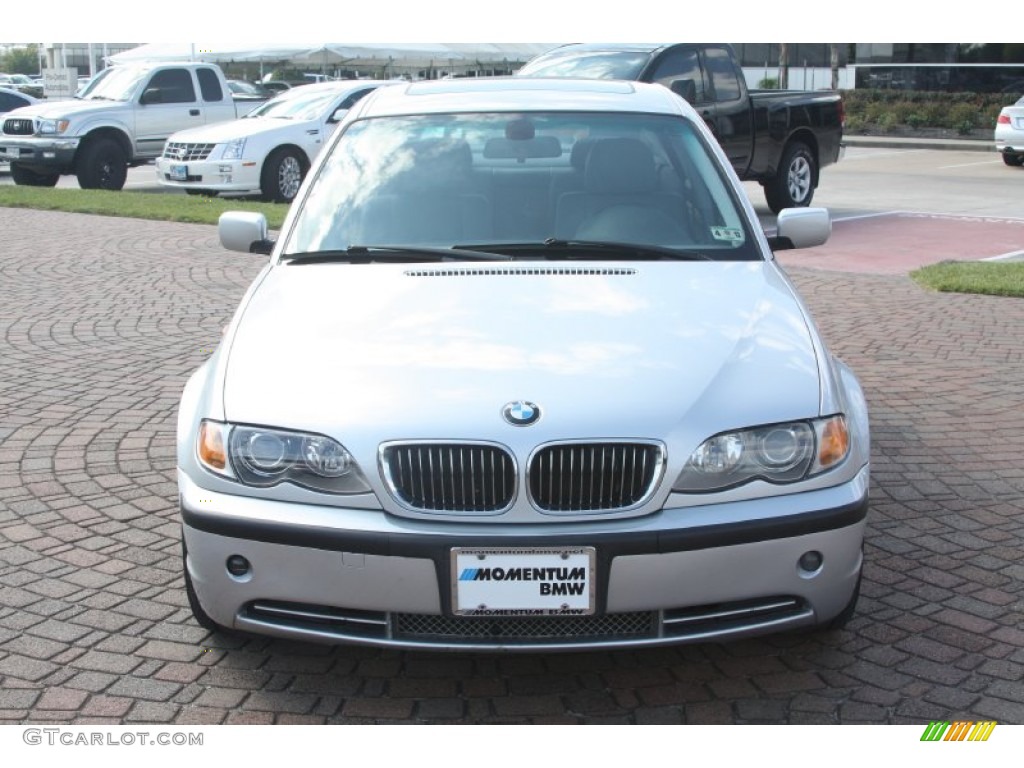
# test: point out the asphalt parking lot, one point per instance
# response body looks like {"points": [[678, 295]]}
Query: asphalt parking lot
{"points": [[103, 319]]}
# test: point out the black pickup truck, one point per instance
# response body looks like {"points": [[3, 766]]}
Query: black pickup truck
{"points": [[779, 138]]}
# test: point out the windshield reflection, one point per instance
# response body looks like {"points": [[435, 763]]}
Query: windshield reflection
{"points": [[444, 180]]}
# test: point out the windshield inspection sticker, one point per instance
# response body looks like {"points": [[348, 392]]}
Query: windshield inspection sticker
{"points": [[729, 234]]}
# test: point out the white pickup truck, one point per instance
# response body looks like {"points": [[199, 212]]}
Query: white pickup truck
{"points": [[122, 119]]}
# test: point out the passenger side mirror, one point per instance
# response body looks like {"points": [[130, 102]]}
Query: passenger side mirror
{"points": [[685, 88], [801, 228], [244, 231]]}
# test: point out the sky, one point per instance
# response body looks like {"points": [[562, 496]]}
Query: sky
{"points": [[507, 21]]}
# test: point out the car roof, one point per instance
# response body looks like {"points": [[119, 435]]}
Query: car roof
{"points": [[331, 86], [509, 94]]}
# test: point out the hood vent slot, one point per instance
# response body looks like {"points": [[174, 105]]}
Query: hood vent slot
{"points": [[523, 272]]}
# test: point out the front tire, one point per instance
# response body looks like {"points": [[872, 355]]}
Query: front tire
{"points": [[282, 175], [793, 185], [1014, 160], [28, 178], [102, 164]]}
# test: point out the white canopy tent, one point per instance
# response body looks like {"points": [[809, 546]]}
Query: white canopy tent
{"points": [[459, 58]]}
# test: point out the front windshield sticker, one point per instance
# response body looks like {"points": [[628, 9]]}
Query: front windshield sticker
{"points": [[728, 234]]}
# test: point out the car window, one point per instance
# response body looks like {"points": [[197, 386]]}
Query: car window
{"points": [[621, 65], [209, 84], [722, 72], [175, 86], [9, 101], [682, 64], [496, 178], [349, 101]]}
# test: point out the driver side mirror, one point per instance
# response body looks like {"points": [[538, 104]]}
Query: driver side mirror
{"points": [[151, 96], [244, 231]]}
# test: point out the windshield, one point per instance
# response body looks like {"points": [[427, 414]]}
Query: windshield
{"points": [[116, 83], [619, 65], [493, 179], [295, 104]]}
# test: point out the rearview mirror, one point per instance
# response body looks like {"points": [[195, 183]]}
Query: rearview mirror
{"points": [[801, 228], [244, 231]]}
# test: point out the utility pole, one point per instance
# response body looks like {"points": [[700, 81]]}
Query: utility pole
{"points": [[783, 65], [833, 51]]}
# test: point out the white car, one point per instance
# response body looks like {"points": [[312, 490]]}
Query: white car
{"points": [[1010, 133], [522, 372], [267, 152]]}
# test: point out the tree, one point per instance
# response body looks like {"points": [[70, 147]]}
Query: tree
{"points": [[21, 61]]}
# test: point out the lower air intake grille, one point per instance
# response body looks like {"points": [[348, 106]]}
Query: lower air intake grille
{"points": [[413, 626]]}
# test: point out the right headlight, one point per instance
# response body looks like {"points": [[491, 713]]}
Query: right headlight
{"points": [[775, 453], [264, 457], [234, 149]]}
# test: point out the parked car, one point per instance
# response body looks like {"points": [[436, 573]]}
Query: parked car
{"points": [[781, 139], [246, 91], [11, 98], [22, 83], [267, 152], [120, 119], [522, 372], [1010, 133]]}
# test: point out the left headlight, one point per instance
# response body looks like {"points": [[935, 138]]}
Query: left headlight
{"points": [[775, 453], [264, 457], [53, 126], [234, 149]]}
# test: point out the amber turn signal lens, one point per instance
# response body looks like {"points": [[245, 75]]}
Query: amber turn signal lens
{"points": [[211, 445], [835, 442]]}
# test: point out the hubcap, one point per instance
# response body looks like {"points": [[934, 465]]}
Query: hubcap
{"points": [[799, 179], [289, 177]]}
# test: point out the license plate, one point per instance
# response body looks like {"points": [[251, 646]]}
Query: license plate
{"points": [[179, 173], [545, 581]]}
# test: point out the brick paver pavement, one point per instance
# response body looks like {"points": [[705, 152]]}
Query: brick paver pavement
{"points": [[102, 320]]}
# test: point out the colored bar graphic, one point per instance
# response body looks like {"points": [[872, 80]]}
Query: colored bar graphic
{"points": [[959, 730]]}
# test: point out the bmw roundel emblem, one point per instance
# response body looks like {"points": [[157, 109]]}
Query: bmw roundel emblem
{"points": [[520, 413]]}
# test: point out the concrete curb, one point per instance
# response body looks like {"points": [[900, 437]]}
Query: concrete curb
{"points": [[899, 142]]}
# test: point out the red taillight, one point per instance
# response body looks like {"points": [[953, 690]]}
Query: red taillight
{"points": [[1004, 119]]}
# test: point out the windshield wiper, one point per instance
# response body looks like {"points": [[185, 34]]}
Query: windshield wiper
{"points": [[368, 254], [554, 248]]}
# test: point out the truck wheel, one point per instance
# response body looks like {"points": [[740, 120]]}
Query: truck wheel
{"points": [[27, 178], [102, 165], [1016, 160], [283, 172], [793, 185]]}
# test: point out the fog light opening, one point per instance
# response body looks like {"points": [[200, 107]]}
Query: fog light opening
{"points": [[238, 566], [810, 563]]}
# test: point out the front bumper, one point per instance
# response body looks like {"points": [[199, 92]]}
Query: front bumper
{"points": [[211, 175], [387, 582], [57, 154]]}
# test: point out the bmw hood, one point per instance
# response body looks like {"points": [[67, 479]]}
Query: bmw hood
{"points": [[649, 350]]}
